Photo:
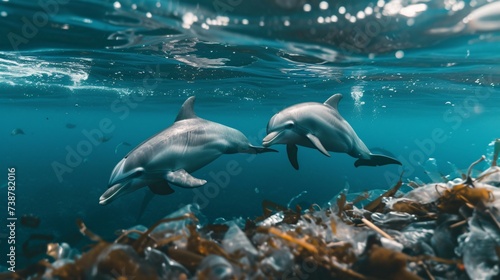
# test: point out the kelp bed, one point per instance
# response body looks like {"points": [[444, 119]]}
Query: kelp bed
{"points": [[441, 230]]}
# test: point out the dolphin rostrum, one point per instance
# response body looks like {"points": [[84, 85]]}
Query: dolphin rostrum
{"points": [[320, 126], [171, 155]]}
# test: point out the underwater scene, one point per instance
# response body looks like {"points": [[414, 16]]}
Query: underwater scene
{"points": [[238, 139]]}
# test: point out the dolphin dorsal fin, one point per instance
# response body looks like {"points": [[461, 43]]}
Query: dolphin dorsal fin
{"points": [[333, 101], [187, 110]]}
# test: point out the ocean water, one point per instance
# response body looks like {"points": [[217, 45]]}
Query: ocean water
{"points": [[420, 80]]}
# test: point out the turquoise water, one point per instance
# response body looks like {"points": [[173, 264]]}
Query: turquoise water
{"points": [[420, 80]]}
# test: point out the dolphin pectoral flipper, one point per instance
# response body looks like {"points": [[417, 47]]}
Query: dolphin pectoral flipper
{"points": [[376, 160], [183, 179], [315, 141], [291, 150]]}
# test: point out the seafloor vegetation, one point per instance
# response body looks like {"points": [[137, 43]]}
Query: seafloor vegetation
{"points": [[441, 230]]}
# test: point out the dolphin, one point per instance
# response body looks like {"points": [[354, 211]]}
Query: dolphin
{"points": [[171, 155], [320, 126]]}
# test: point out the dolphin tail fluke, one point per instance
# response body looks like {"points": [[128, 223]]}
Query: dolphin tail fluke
{"points": [[260, 150], [376, 160]]}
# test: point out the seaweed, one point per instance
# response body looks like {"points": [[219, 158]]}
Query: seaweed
{"points": [[269, 208], [464, 194], [377, 205]]}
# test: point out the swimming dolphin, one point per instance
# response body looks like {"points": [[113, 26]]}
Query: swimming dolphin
{"points": [[320, 126], [171, 155]]}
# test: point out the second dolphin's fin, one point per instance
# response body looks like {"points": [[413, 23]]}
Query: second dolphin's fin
{"points": [[187, 110], [376, 160], [183, 179], [291, 150], [317, 144]]}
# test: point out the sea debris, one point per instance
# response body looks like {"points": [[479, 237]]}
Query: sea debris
{"points": [[376, 229], [216, 267], [295, 198], [478, 247], [383, 263], [464, 193], [376, 205], [491, 175], [440, 230], [61, 251]]}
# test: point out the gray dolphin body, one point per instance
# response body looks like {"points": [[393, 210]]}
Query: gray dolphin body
{"points": [[171, 155], [320, 126]]}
